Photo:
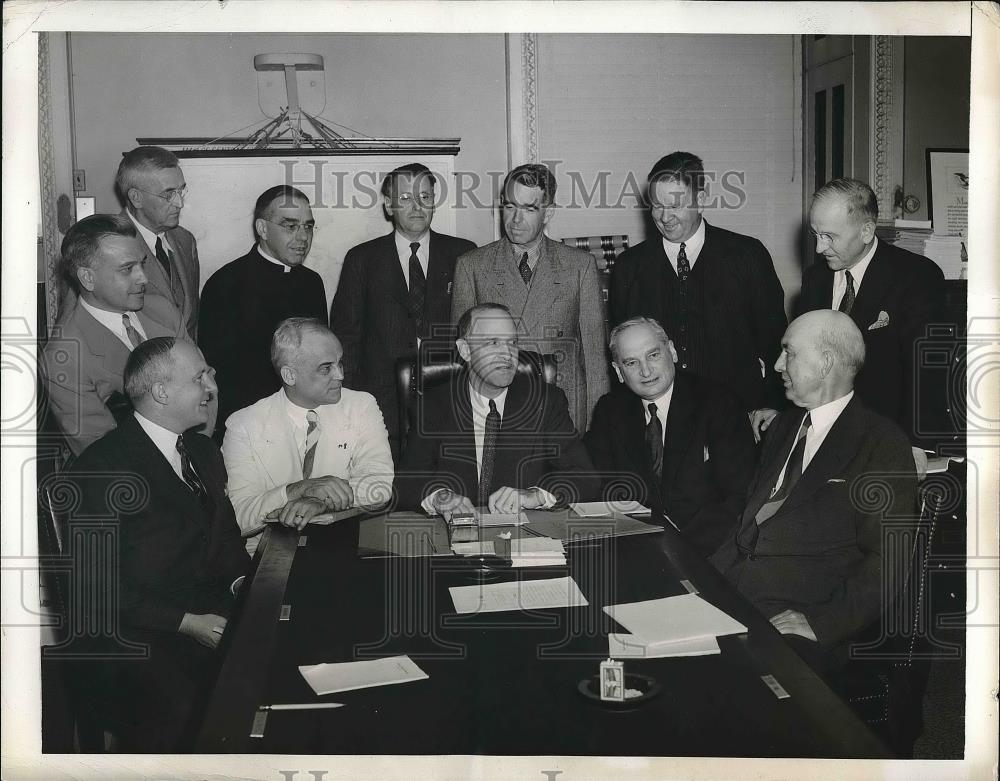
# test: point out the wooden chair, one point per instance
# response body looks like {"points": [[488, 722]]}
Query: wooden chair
{"points": [[605, 250]]}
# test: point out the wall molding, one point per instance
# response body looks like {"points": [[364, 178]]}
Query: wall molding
{"points": [[522, 98], [47, 182], [886, 164]]}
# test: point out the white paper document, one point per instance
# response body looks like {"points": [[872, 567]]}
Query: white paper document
{"points": [[537, 552], [517, 595], [604, 509], [345, 676], [672, 619], [624, 646], [474, 548], [501, 519]]}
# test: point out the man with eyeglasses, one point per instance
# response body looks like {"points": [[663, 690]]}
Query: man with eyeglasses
{"points": [[245, 300], [395, 291], [550, 288]]}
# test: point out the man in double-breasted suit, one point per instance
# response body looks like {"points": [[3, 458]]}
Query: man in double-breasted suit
{"points": [[84, 358], [492, 437], [395, 290], [714, 291], [812, 542], [678, 443], [161, 489], [891, 295], [552, 290]]}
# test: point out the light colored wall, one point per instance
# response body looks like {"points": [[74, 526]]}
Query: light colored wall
{"points": [[619, 103], [129, 85]]}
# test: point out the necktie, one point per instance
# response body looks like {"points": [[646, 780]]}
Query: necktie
{"points": [[187, 471], [418, 288], [683, 268], [654, 441], [130, 331], [793, 471], [848, 300], [312, 439], [163, 256], [489, 453], [524, 269]]}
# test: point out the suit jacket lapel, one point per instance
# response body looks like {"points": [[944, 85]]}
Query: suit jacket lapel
{"points": [[507, 281], [143, 451], [155, 277], [680, 426], [102, 344], [461, 449], [877, 281], [633, 438], [769, 477], [278, 447], [389, 269], [545, 282], [438, 274], [822, 295]]}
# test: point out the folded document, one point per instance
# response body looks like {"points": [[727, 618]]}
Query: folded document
{"points": [[673, 624], [345, 676]]}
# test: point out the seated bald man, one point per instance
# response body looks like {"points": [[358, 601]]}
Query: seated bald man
{"points": [[493, 437], [808, 552]]}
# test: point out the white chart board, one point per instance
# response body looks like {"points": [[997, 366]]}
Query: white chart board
{"points": [[343, 191]]}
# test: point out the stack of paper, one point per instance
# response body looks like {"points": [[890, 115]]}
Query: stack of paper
{"points": [[518, 595], [948, 252], [604, 509], [345, 676], [476, 548], [500, 519], [674, 626], [537, 552]]}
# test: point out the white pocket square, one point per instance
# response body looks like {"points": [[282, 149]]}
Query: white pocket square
{"points": [[881, 322], [836, 480], [705, 456]]}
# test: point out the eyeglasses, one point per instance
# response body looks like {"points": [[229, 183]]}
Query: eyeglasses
{"points": [[406, 199], [307, 228], [170, 196]]}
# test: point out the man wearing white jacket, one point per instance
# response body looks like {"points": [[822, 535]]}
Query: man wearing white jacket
{"points": [[314, 446]]}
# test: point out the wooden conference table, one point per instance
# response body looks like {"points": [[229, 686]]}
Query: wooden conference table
{"points": [[504, 683]]}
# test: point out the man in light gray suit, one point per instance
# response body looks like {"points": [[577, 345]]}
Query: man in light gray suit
{"points": [[551, 289]]}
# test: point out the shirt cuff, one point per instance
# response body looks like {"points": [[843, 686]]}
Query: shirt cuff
{"points": [[234, 588], [427, 505], [548, 500]]}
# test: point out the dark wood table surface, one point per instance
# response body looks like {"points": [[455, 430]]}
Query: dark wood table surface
{"points": [[505, 683]]}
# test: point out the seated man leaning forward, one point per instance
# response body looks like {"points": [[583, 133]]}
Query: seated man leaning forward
{"points": [[679, 443], [808, 552], [314, 446], [492, 437]]}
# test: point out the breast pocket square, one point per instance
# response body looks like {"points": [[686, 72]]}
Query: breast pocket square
{"points": [[881, 322], [836, 480], [705, 455]]}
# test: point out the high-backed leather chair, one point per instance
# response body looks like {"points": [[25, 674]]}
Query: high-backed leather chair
{"points": [[438, 365]]}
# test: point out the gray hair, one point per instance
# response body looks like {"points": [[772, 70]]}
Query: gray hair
{"points": [[862, 205], [288, 338], [149, 363], [653, 325], [139, 161]]}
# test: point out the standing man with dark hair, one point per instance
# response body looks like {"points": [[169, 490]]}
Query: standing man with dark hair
{"points": [[179, 555], [714, 291], [551, 289], [891, 295], [395, 290], [104, 264], [244, 301], [151, 185]]}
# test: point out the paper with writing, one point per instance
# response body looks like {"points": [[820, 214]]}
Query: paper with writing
{"points": [[517, 595], [345, 676]]}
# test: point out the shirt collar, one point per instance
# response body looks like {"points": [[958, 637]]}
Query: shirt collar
{"points": [[858, 269], [692, 245], [147, 235], [825, 415], [268, 257], [534, 253], [112, 320], [295, 412], [662, 403], [164, 439], [403, 243], [481, 404]]}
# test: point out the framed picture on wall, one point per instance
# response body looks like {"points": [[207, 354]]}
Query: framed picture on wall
{"points": [[948, 191]]}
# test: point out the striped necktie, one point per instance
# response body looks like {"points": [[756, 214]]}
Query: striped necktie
{"points": [[130, 331], [312, 440]]}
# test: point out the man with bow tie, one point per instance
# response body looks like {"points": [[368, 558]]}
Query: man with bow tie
{"points": [[811, 545], [311, 448]]}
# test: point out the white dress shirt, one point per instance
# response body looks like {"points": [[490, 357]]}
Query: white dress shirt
{"points": [[149, 237], [403, 250], [164, 440], [267, 256], [692, 247], [857, 274], [662, 408], [821, 420], [114, 323]]}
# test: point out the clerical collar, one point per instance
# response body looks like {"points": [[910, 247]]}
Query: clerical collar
{"points": [[264, 254]]}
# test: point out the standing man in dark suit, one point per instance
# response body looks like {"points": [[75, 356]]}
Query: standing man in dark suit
{"points": [[714, 291], [809, 550], [552, 289], [492, 438], [395, 290], [244, 301], [678, 443], [891, 295], [180, 557]]}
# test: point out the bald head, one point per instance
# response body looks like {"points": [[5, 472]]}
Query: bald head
{"points": [[822, 352]]}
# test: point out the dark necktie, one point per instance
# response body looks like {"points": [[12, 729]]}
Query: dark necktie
{"points": [[163, 256], [489, 453], [187, 471], [848, 300], [418, 288], [654, 441], [793, 471], [524, 269], [312, 440], [130, 331], [683, 268]]}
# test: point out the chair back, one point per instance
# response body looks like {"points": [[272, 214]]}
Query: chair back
{"points": [[439, 366]]}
